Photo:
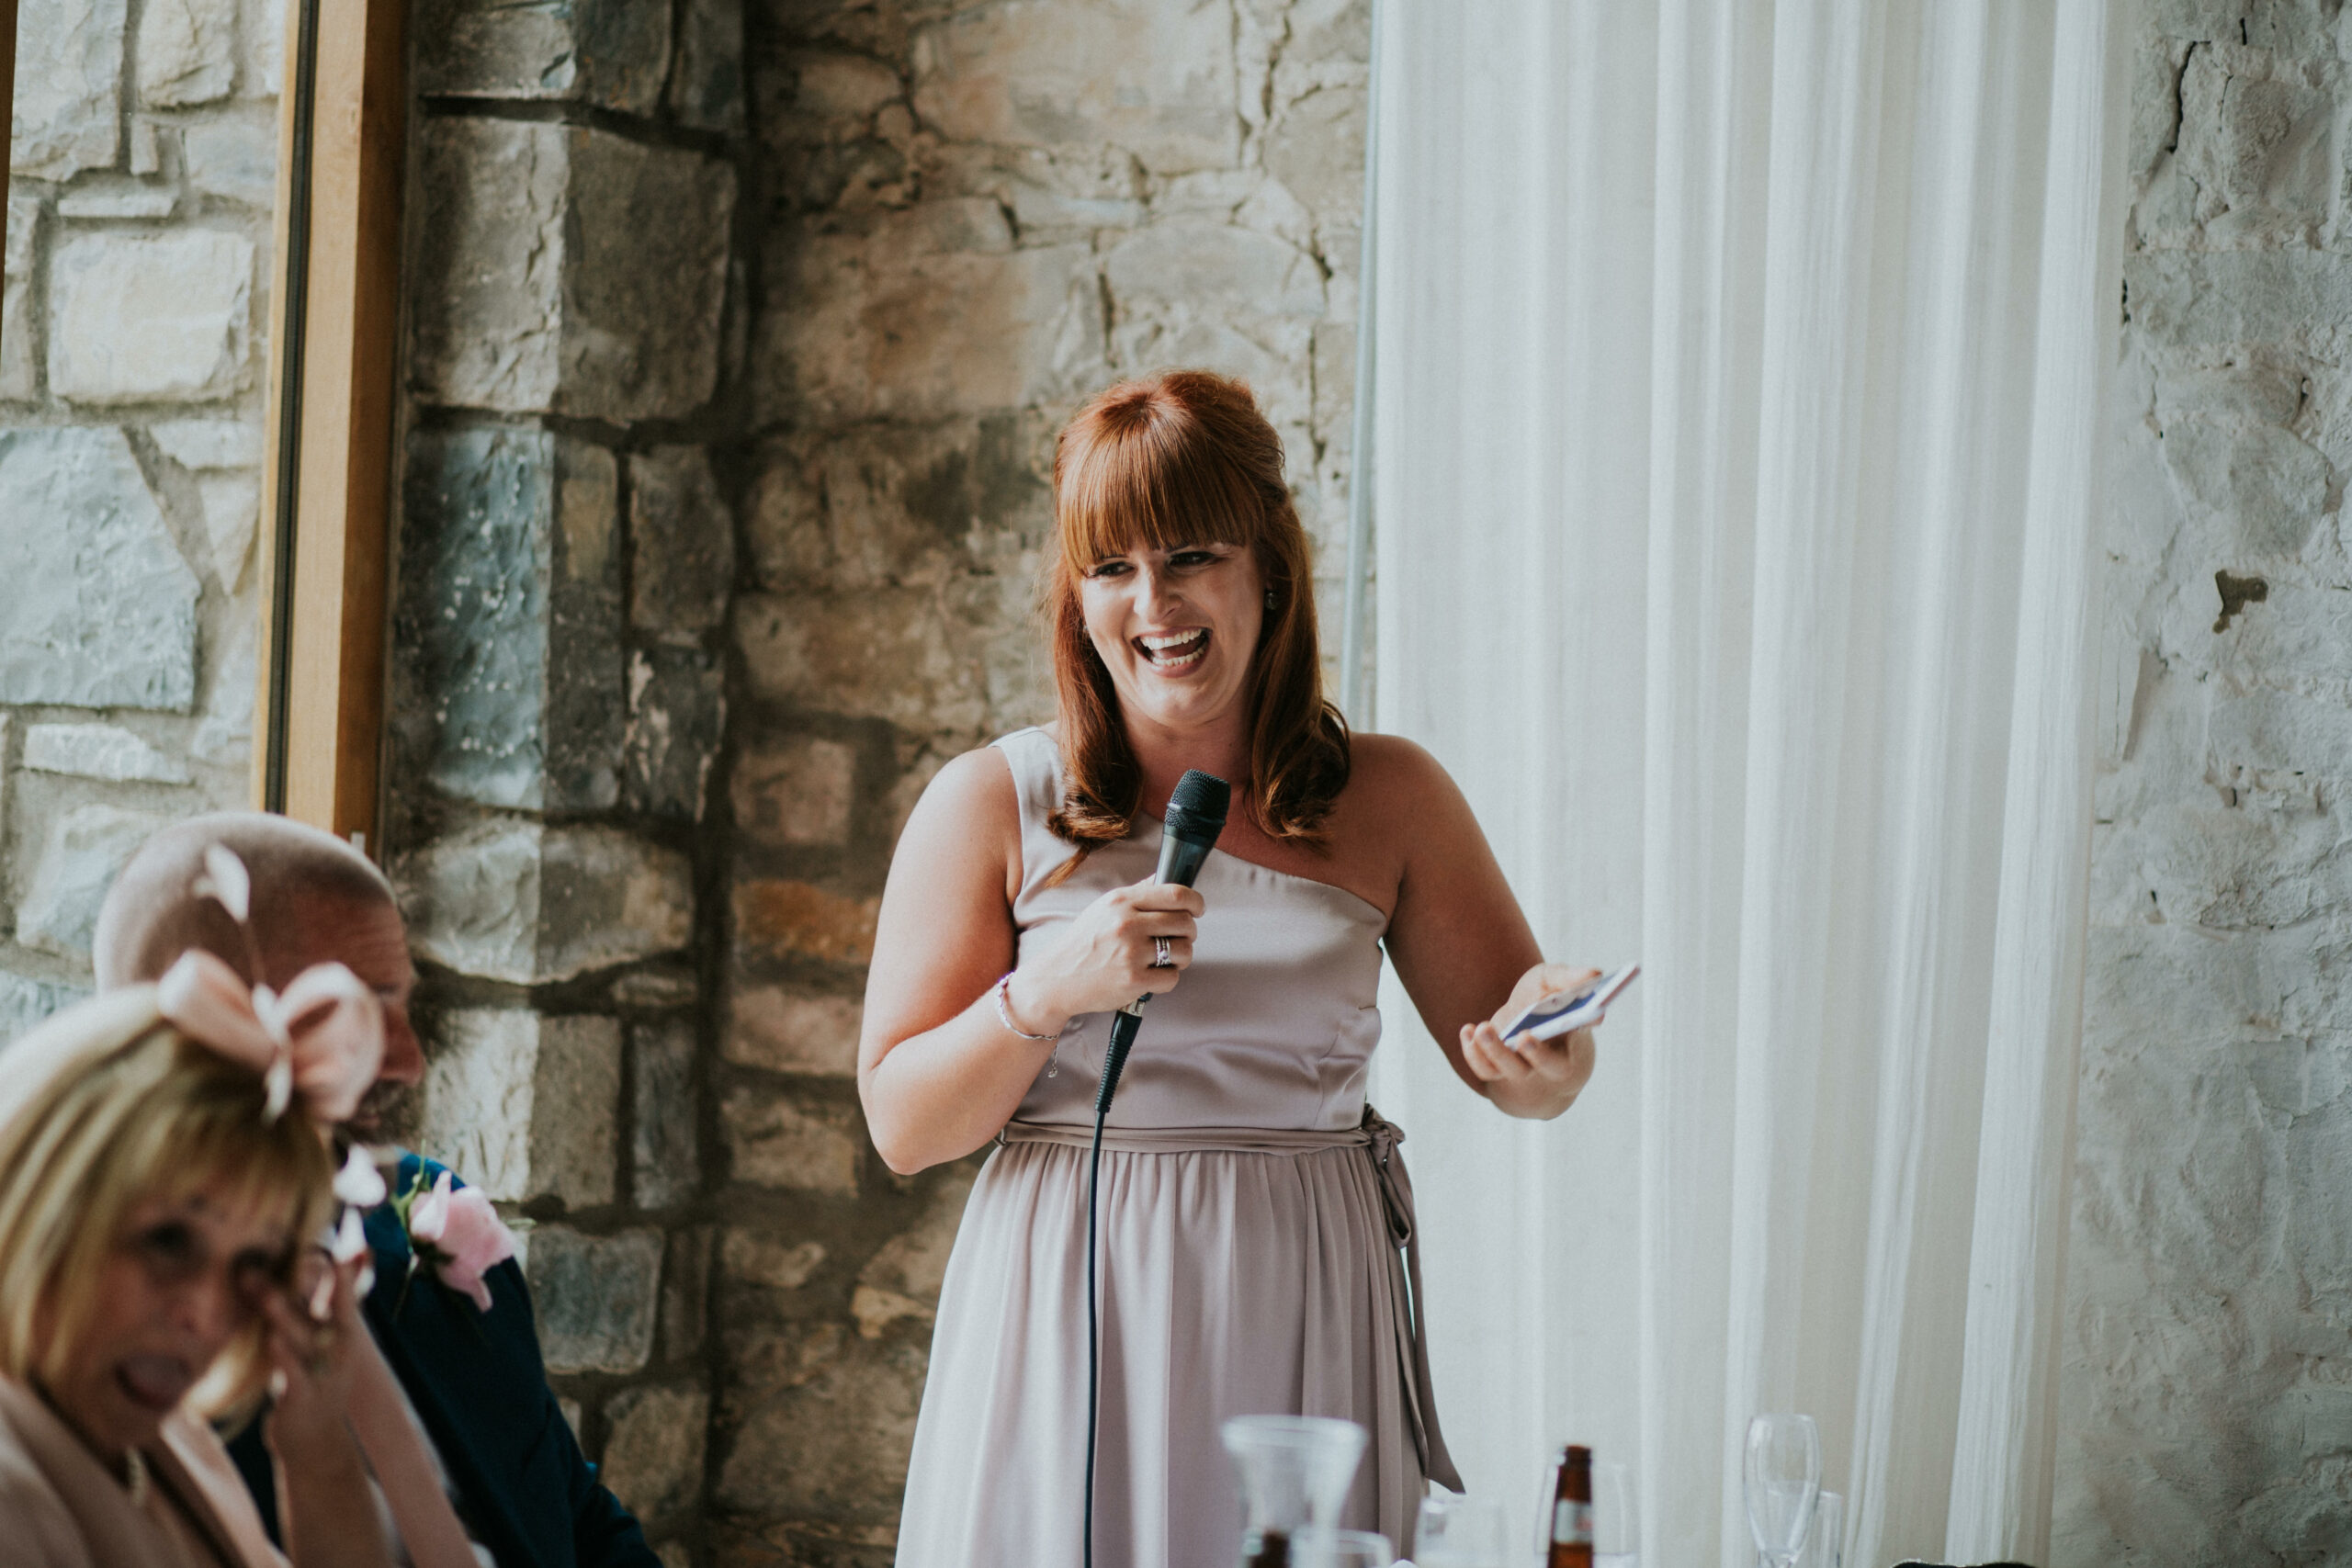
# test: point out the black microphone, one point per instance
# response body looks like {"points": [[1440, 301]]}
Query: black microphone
{"points": [[1195, 817]]}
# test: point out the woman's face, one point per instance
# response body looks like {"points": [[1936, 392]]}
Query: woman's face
{"points": [[1176, 628], [185, 1275]]}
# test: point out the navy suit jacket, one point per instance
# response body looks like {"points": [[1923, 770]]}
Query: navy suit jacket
{"points": [[527, 1492]]}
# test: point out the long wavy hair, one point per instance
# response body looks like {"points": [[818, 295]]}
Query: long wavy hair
{"points": [[1185, 457]]}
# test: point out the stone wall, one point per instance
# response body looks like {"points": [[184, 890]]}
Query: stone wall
{"points": [[2207, 1394], [737, 347], [566, 556], [133, 308]]}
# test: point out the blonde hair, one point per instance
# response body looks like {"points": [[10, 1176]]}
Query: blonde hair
{"points": [[106, 1107]]}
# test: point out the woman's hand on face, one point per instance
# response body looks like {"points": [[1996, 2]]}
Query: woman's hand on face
{"points": [[1103, 959], [312, 1331], [1534, 1078]]}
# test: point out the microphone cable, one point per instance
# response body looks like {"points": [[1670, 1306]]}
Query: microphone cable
{"points": [[1196, 811], [1124, 1026]]}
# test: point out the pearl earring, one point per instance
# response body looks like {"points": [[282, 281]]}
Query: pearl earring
{"points": [[1270, 600]]}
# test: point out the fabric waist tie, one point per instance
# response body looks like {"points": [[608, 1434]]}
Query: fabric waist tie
{"points": [[1379, 1139]]}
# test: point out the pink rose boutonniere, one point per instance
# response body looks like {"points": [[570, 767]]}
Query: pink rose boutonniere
{"points": [[455, 1233]]}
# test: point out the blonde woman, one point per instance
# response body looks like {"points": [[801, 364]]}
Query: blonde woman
{"points": [[160, 1186]]}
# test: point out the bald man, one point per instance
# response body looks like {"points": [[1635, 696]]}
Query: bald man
{"points": [[475, 1379]]}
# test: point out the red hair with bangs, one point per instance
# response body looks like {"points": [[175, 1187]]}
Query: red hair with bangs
{"points": [[1185, 457]]}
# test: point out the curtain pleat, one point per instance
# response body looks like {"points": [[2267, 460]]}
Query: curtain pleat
{"points": [[1739, 365]]}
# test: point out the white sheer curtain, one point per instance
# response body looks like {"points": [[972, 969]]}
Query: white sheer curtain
{"points": [[1735, 428]]}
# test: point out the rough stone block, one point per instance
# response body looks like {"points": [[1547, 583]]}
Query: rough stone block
{"points": [[706, 76], [595, 1297], [902, 1282], [976, 324], [101, 613], [85, 849], [525, 1106], [18, 354], [100, 197], [236, 159], [775, 1142], [1315, 149], [682, 544], [751, 1257], [1157, 79], [653, 1448], [613, 54], [666, 1153], [677, 712], [578, 273], [66, 115], [798, 790], [231, 505], [777, 918], [149, 318], [509, 635], [886, 506], [98, 751], [25, 1002], [202, 446], [901, 654], [825, 1434], [528, 903], [188, 52], [786, 1031]]}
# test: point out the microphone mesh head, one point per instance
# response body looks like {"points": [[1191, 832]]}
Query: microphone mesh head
{"points": [[1198, 803]]}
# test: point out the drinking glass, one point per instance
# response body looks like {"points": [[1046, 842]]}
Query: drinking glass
{"points": [[1616, 1519], [1460, 1532], [1825, 1543], [1783, 1479], [1315, 1547]]}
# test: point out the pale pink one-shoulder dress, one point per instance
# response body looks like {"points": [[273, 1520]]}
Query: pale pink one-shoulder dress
{"points": [[1253, 1217]]}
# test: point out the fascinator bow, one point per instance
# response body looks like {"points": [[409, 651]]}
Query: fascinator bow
{"points": [[320, 1042]]}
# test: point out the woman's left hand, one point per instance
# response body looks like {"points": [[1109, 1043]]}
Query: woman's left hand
{"points": [[310, 1335], [1534, 1078]]}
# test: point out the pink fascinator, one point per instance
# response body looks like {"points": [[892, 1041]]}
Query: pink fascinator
{"points": [[320, 1042]]}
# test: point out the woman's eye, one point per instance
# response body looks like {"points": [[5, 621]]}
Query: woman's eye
{"points": [[1107, 569], [1190, 558], [169, 1248], [260, 1271]]}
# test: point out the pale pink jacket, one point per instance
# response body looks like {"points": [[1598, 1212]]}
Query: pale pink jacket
{"points": [[60, 1508]]}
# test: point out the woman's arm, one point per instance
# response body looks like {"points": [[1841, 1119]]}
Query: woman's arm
{"points": [[1461, 944], [937, 1070]]}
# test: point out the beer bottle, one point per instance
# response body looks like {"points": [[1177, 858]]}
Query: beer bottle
{"points": [[1572, 1510]]}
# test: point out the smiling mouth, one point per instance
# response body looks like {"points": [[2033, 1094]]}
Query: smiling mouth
{"points": [[1177, 650], [157, 1383]]}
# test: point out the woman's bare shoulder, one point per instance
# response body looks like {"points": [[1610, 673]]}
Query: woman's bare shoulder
{"points": [[1389, 774], [972, 790]]}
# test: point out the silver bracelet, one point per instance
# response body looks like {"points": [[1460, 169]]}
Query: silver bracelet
{"points": [[1005, 1012]]}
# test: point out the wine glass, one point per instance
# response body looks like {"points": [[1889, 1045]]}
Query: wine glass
{"points": [[1616, 1527], [1782, 1477], [1825, 1543], [1460, 1532]]}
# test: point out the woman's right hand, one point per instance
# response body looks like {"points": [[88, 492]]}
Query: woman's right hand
{"points": [[1104, 959]]}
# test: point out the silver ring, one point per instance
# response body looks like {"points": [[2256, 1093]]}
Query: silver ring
{"points": [[1161, 958]]}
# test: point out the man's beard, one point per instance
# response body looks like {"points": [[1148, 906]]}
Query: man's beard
{"points": [[388, 1113]]}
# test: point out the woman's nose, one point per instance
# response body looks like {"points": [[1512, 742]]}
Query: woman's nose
{"points": [[210, 1307], [1155, 595]]}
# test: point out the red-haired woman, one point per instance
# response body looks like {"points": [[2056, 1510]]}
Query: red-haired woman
{"points": [[1248, 1193]]}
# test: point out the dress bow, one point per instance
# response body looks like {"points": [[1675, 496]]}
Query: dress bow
{"points": [[320, 1042]]}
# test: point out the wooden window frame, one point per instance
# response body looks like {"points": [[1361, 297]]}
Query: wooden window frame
{"points": [[327, 476]]}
